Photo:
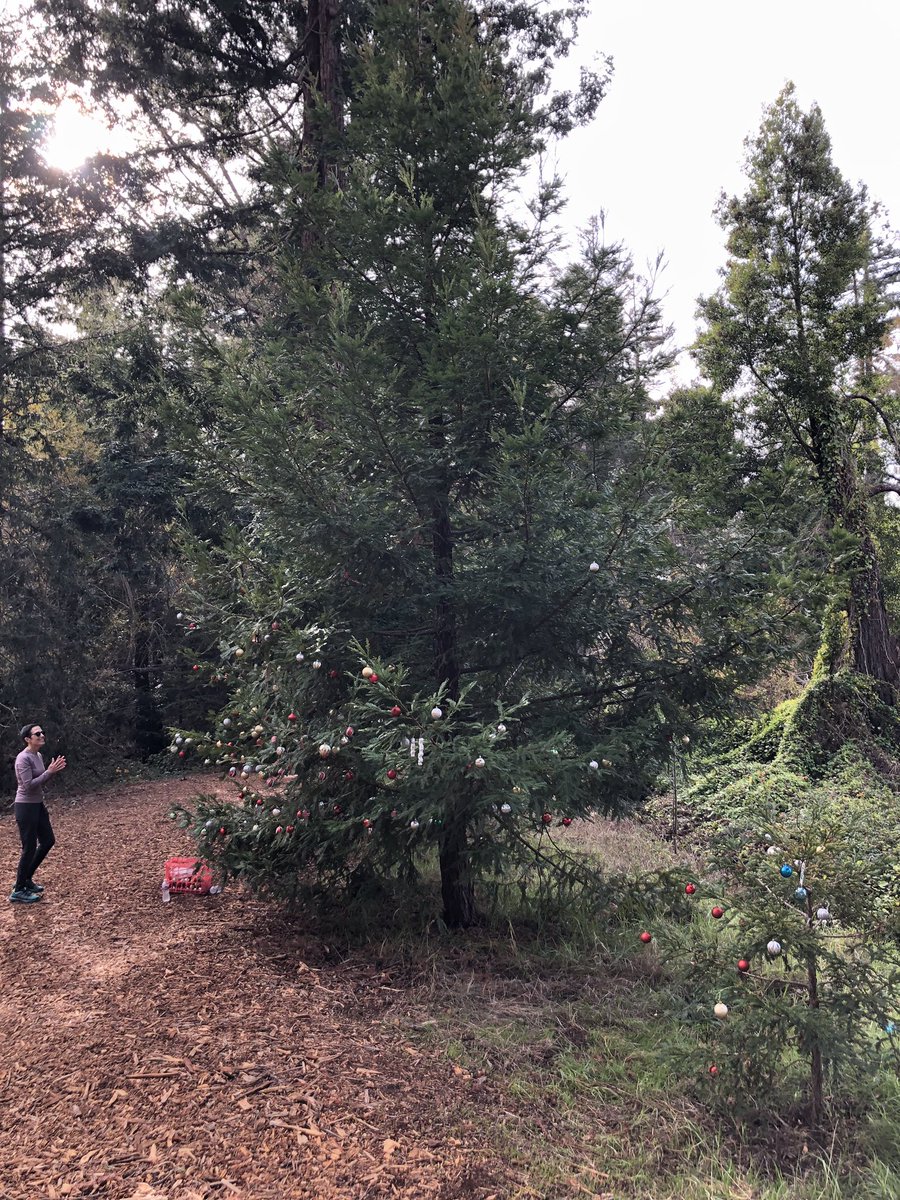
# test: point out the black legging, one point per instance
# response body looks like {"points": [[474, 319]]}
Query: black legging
{"points": [[37, 837]]}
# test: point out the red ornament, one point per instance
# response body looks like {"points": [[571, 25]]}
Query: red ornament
{"points": [[567, 821], [348, 775], [222, 830], [547, 818], [714, 1070], [292, 716], [646, 937], [366, 823], [332, 674], [181, 754], [322, 777], [373, 678], [348, 732], [195, 667], [337, 810], [290, 829], [689, 889], [259, 803], [718, 912], [396, 710], [392, 774], [275, 625], [743, 965]]}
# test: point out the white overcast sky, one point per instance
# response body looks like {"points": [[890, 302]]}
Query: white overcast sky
{"points": [[691, 78]]}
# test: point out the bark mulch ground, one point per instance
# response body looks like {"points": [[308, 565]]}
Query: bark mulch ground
{"points": [[208, 1047]]}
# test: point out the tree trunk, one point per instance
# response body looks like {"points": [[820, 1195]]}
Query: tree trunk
{"points": [[873, 647], [457, 888], [873, 650], [323, 102], [816, 1070]]}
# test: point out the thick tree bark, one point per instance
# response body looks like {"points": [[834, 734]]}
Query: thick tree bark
{"points": [[872, 649]]}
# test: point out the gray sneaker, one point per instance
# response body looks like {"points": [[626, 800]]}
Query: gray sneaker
{"points": [[24, 896]]}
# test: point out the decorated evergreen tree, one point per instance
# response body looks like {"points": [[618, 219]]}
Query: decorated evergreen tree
{"points": [[794, 998], [445, 595]]}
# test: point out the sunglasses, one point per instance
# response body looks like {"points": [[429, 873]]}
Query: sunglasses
{"points": [[37, 733]]}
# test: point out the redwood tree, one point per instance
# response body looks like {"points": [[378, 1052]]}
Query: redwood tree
{"points": [[792, 333]]}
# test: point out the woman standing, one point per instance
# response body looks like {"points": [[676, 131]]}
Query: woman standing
{"points": [[32, 817]]}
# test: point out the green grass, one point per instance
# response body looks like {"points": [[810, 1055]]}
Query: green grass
{"points": [[580, 1061], [573, 1030]]}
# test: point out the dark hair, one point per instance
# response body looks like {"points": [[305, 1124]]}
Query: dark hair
{"points": [[25, 731]]}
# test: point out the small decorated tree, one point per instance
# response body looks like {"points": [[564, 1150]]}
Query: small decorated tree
{"points": [[797, 994]]}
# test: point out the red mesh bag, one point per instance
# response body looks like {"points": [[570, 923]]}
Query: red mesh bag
{"points": [[188, 875]]}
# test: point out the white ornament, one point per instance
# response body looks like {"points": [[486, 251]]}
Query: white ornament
{"points": [[188, 741], [367, 672], [414, 824], [421, 757], [822, 914], [344, 740], [721, 1010], [239, 653], [317, 665], [436, 713], [179, 616], [255, 828], [279, 750], [501, 728], [324, 750], [772, 850], [479, 762], [774, 948], [505, 808], [594, 765], [594, 568], [605, 762], [299, 656], [275, 812], [207, 762], [227, 722]]}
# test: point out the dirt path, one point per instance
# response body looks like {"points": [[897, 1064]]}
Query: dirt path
{"points": [[205, 1048]]}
